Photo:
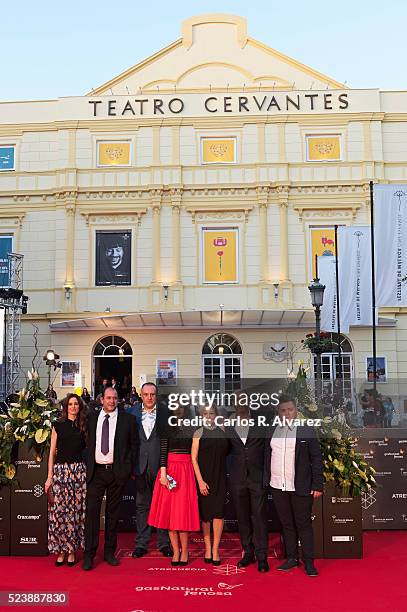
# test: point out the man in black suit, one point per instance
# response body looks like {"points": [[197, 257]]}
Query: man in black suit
{"points": [[151, 419], [113, 442], [294, 470], [249, 495]]}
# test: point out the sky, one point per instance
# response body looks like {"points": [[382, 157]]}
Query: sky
{"points": [[55, 48]]}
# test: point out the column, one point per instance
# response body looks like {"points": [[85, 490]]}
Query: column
{"points": [[261, 142], [262, 200], [70, 245], [156, 146], [284, 277], [176, 195], [281, 143], [156, 195], [175, 145]]}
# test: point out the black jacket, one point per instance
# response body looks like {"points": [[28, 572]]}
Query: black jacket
{"points": [[126, 443], [246, 461], [148, 455], [308, 461]]}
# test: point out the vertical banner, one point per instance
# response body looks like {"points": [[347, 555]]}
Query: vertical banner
{"points": [[355, 276], [329, 313], [113, 258], [220, 255], [29, 505], [6, 247], [2, 332], [322, 242], [390, 208]]}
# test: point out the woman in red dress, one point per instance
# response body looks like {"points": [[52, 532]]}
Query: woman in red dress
{"points": [[174, 505]]}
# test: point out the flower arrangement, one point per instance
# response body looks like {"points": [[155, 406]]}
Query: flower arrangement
{"points": [[323, 344], [343, 465], [28, 419]]}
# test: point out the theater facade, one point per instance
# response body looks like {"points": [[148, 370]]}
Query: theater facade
{"points": [[169, 219]]}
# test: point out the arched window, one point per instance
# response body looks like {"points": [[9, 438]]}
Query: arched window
{"points": [[222, 363], [338, 365], [112, 346]]}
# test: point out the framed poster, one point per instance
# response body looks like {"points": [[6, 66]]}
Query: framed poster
{"points": [[7, 157], [113, 153], [70, 373], [381, 369], [218, 150], [324, 147], [322, 243], [6, 247], [113, 258], [166, 372], [220, 255]]}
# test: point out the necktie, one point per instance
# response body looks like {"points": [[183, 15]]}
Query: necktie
{"points": [[105, 436]]}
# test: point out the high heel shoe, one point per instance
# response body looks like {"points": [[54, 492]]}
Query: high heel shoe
{"points": [[183, 563], [71, 563], [216, 562], [59, 563], [208, 559]]}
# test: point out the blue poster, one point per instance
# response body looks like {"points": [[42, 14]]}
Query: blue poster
{"points": [[6, 158], [6, 247]]}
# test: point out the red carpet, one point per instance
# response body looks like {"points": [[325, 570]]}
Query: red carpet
{"points": [[150, 584]]}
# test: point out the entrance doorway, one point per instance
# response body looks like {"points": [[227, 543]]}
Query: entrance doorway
{"points": [[112, 358]]}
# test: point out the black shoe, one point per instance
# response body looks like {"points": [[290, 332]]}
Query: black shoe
{"points": [[175, 563], [183, 563], [165, 551], [138, 552], [263, 566], [71, 563], [216, 562], [208, 559], [59, 563], [246, 560], [111, 560], [87, 564], [310, 568], [287, 565]]}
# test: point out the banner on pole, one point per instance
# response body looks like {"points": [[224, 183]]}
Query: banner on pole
{"points": [[355, 275], [329, 312], [390, 207], [2, 332]]}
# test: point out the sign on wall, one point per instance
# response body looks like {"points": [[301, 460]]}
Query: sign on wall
{"points": [[6, 247], [218, 150], [7, 157], [70, 372], [113, 153], [381, 369], [220, 255], [113, 256], [166, 373], [322, 240], [323, 148]]}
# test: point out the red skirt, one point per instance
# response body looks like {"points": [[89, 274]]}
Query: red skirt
{"points": [[176, 509]]}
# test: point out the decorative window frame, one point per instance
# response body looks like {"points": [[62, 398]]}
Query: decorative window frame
{"points": [[213, 228], [108, 139], [202, 137], [10, 145], [321, 134]]}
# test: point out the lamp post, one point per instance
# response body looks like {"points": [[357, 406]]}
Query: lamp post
{"points": [[316, 290]]}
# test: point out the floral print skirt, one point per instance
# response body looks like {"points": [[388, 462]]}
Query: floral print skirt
{"points": [[66, 517]]}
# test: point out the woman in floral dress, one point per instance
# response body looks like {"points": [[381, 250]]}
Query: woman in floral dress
{"points": [[67, 481]]}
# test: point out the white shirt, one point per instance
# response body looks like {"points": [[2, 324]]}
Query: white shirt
{"points": [[283, 458], [148, 418], [99, 456]]}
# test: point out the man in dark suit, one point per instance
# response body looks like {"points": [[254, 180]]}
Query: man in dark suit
{"points": [[294, 470], [151, 419], [249, 495], [113, 442]]}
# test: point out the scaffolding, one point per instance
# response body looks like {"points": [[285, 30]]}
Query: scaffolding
{"points": [[14, 303]]}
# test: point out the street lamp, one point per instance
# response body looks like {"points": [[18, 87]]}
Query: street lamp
{"points": [[316, 289]]}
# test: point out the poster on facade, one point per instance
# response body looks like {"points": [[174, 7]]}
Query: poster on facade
{"points": [[70, 372], [6, 247], [381, 369], [218, 150], [113, 154], [220, 255], [166, 373], [324, 148], [7, 155], [390, 205], [322, 243], [113, 258]]}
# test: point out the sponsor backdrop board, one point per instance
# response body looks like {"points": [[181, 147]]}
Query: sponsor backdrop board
{"points": [[29, 506], [4, 520], [342, 525], [385, 507]]}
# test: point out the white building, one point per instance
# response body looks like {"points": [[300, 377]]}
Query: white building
{"points": [[219, 160]]}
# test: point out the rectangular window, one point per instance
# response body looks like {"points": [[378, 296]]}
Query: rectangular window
{"points": [[113, 258], [218, 150], [322, 242], [220, 255], [7, 157], [323, 147], [6, 247], [111, 153]]}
